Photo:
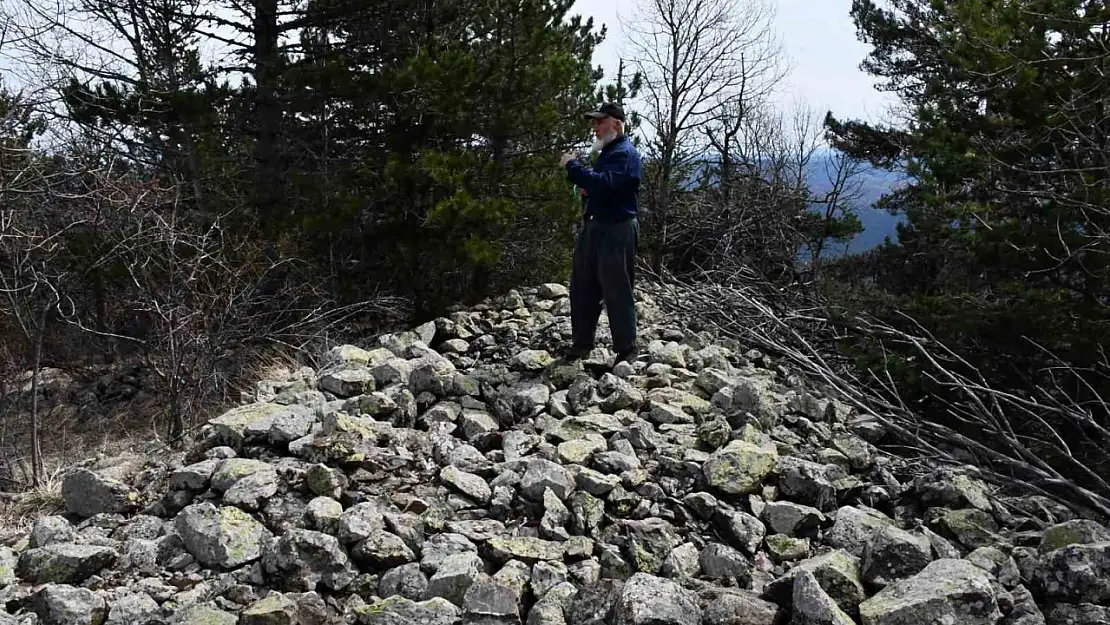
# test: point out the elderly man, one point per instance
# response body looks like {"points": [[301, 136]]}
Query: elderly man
{"points": [[605, 253]]}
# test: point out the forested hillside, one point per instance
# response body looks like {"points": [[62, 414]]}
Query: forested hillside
{"points": [[192, 191]]}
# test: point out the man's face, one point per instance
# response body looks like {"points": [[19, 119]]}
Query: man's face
{"points": [[604, 127]]}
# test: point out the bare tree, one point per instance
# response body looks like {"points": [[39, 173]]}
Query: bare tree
{"points": [[31, 234], [118, 71], [833, 215], [201, 298], [697, 58], [754, 214]]}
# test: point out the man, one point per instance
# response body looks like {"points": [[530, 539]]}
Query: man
{"points": [[605, 252]]}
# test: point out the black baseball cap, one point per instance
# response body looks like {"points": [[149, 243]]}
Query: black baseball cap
{"points": [[609, 109]]}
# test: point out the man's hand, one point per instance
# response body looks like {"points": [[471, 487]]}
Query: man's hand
{"points": [[582, 192], [566, 158]]}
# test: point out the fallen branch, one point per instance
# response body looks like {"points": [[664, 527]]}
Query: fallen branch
{"points": [[799, 331]]}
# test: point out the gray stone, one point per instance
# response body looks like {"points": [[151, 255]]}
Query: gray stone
{"points": [[1001, 566], [194, 477], [273, 609], [132, 609], [649, 543], [438, 547], [224, 537], [595, 603], [892, 554], [1077, 573], [407, 581], [792, 519], [300, 560], [490, 601], [454, 576], [812, 606], [64, 563], [682, 563], [245, 483], [1075, 532], [946, 591], [61, 604], [547, 575], [853, 528], [48, 530], [836, 571], [730, 606], [805, 482], [87, 493], [543, 474], [649, 600], [402, 611], [739, 468], [382, 550], [524, 548], [358, 522], [347, 380], [467, 483], [721, 562], [322, 514]]}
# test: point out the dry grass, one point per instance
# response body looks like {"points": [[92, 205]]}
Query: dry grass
{"points": [[18, 511]]}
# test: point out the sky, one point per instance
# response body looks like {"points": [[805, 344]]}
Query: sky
{"points": [[818, 36]]}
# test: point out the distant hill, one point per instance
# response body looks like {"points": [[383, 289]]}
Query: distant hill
{"points": [[878, 224]]}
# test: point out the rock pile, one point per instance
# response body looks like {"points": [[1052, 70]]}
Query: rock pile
{"points": [[459, 473]]}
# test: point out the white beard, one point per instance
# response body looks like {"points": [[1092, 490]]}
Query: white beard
{"points": [[602, 141]]}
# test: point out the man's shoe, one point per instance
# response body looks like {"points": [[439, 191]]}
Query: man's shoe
{"points": [[627, 355], [577, 352]]}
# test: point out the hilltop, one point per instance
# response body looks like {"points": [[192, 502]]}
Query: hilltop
{"points": [[457, 472]]}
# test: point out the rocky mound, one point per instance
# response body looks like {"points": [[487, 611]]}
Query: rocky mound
{"points": [[458, 473]]}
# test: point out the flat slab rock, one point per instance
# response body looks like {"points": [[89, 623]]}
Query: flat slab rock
{"points": [[946, 591]]}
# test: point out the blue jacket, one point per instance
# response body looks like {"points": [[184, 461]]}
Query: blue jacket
{"points": [[613, 183]]}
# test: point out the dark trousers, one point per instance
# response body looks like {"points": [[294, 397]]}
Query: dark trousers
{"points": [[603, 271]]}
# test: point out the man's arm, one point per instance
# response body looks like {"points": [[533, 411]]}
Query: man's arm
{"points": [[616, 174]]}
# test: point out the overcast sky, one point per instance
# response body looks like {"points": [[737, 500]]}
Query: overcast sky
{"points": [[818, 36]]}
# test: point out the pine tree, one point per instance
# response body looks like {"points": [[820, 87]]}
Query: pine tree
{"points": [[1006, 221], [451, 117]]}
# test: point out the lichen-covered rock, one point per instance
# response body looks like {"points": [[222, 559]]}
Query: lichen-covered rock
{"points": [[1076, 573], [457, 472], [812, 606], [1075, 532], [836, 571], [231, 426], [402, 611], [892, 554], [132, 609], [62, 604], [946, 591], [64, 563], [274, 609], [739, 468], [224, 537], [302, 560], [649, 600], [88, 493]]}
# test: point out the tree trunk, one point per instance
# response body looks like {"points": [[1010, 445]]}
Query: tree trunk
{"points": [[268, 198], [38, 472]]}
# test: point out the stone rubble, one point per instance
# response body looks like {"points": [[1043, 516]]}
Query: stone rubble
{"points": [[460, 472]]}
